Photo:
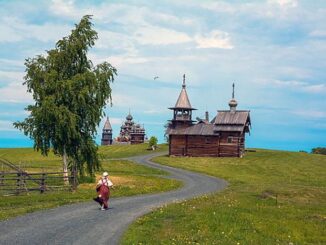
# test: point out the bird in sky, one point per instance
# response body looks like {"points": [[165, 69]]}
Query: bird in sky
{"points": [[155, 77]]}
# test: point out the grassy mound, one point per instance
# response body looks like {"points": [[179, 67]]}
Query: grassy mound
{"points": [[274, 197]]}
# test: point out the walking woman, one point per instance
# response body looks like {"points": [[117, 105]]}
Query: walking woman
{"points": [[103, 190]]}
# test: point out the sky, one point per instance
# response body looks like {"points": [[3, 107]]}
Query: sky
{"points": [[274, 51]]}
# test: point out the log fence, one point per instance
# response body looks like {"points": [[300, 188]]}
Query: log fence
{"points": [[19, 182]]}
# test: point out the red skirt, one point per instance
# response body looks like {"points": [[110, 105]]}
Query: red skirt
{"points": [[104, 191]]}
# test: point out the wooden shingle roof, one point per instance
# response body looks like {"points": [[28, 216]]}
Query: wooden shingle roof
{"points": [[232, 121], [231, 118], [107, 125], [197, 129], [183, 101]]}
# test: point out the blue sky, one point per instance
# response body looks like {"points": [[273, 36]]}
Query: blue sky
{"points": [[274, 50]]}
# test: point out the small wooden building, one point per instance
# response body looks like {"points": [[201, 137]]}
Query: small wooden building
{"points": [[107, 133], [224, 136]]}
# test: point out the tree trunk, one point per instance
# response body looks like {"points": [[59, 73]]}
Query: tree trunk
{"points": [[65, 167]]}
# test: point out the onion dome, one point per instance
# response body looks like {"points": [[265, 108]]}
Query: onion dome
{"points": [[129, 117], [233, 103]]}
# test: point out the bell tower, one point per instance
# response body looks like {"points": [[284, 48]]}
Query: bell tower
{"points": [[107, 133], [182, 111]]}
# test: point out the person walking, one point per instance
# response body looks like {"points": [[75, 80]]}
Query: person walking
{"points": [[103, 189]]}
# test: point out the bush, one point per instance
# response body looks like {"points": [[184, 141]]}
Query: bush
{"points": [[153, 142], [319, 150]]}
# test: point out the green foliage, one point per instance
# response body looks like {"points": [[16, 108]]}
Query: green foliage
{"points": [[319, 150], [247, 212], [69, 94], [152, 142]]}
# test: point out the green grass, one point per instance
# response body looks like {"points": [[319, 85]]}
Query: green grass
{"points": [[129, 179], [29, 159], [247, 212], [121, 151]]}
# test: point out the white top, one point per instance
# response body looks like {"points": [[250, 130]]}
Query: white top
{"points": [[105, 181]]}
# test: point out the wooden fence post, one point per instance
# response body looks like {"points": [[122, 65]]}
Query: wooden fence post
{"points": [[18, 182], [2, 178], [74, 180], [42, 187]]}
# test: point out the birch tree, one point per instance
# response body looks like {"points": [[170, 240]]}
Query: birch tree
{"points": [[69, 96]]}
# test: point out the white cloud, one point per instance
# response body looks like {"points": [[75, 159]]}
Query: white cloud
{"points": [[284, 3], [113, 120], [124, 100], [13, 30], [15, 93], [8, 63], [315, 88], [6, 126], [154, 111], [63, 8], [310, 114], [11, 76], [318, 33], [300, 86], [275, 9], [214, 39], [219, 6], [154, 35]]}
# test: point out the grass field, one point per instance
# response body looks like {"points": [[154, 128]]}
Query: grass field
{"points": [[29, 159], [274, 197], [129, 179], [121, 151]]}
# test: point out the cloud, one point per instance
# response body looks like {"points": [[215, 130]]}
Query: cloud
{"points": [[214, 39], [318, 33], [64, 8], [219, 6], [315, 88], [9, 64], [113, 120], [6, 126], [310, 114], [11, 76], [13, 29], [154, 35], [284, 3], [154, 111], [298, 86], [15, 93]]}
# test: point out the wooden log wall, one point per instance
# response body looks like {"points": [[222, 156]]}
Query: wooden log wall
{"points": [[177, 145], [207, 146], [199, 145], [137, 139]]}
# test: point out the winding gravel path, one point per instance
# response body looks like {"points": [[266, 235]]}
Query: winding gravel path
{"points": [[84, 223]]}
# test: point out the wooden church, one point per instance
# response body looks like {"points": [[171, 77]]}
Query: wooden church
{"points": [[224, 136], [131, 132], [107, 133]]}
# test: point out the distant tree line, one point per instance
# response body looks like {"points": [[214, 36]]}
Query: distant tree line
{"points": [[319, 150]]}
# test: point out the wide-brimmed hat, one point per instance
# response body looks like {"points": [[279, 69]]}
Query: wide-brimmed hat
{"points": [[105, 174]]}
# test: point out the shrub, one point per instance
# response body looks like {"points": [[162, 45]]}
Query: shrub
{"points": [[153, 142], [319, 150]]}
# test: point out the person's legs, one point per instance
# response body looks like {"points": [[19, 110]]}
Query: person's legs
{"points": [[105, 203]]}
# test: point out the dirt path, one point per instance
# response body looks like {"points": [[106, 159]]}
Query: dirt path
{"points": [[84, 223]]}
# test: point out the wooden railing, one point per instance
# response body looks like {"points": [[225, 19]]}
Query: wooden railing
{"points": [[14, 180], [18, 182]]}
